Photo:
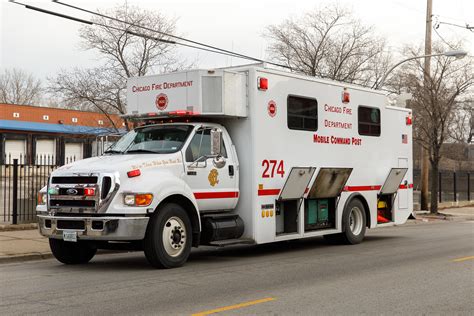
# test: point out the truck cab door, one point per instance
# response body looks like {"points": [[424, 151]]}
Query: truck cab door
{"points": [[214, 188]]}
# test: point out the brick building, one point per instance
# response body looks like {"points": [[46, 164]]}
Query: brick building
{"points": [[28, 132]]}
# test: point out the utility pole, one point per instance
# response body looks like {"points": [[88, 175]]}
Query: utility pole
{"points": [[425, 168]]}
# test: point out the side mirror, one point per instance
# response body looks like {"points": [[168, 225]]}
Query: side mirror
{"points": [[219, 162], [216, 141]]}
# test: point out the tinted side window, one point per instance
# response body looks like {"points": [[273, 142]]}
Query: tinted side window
{"points": [[369, 121], [200, 146], [302, 113]]}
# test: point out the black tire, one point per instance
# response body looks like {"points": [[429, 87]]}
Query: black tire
{"points": [[173, 221], [72, 252], [351, 235]]}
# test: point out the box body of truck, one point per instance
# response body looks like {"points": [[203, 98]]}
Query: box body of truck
{"points": [[297, 155]]}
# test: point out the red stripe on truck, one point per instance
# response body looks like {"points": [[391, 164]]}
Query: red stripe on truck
{"points": [[362, 188], [266, 192], [216, 195]]}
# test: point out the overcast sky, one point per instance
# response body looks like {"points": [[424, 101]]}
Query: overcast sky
{"points": [[43, 44]]}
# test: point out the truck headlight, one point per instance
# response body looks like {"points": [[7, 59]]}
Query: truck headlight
{"points": [[137, 199], [41, 199]]}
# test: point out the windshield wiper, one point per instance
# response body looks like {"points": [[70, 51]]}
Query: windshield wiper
{"points": [[141, 151], [113, 151]]}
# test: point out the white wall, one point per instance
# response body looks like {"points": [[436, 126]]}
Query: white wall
{"points": [[73, 152], [45, 148], [15, 148]]}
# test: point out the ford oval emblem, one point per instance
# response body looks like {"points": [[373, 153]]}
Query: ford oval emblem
{"points": [[71, 191]]}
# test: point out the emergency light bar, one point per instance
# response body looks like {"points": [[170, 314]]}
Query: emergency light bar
{"points": [[160, 115]]}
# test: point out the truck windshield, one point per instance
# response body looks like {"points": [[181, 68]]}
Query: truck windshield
{"points": [[163, 139]]}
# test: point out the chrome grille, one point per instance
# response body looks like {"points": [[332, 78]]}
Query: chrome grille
{"points": [[67, 193], [74, 180]]}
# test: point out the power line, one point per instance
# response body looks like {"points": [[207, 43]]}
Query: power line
{"points": [[215, 50], [435, 28], [156, 31], [467, 26]]}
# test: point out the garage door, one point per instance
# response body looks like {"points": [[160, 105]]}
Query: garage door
{"points": [[15, 149], [45, 150], [73, 152]]}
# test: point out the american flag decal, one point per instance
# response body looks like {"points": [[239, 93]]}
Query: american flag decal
{"points": [[404, 139]]}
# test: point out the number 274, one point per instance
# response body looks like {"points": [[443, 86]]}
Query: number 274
{"points": [[272, 167]]}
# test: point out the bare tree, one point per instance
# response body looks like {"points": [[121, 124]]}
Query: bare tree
{"points": [[436, 103], [462, 128], [124, 55], [97, 89], [19, 87], [330, 43]]}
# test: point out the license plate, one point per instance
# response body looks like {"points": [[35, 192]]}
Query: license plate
{"points": [[70, 236]]}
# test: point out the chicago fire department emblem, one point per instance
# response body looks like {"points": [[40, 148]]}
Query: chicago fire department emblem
{"points": [[272, 108], [213, 180], [161, 101]]}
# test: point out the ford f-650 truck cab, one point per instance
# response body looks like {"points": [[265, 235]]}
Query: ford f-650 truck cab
{"points": [[230, 156], [110, 198]]}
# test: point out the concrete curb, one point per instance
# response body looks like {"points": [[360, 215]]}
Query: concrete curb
{"points": [[47, 255], [26, 257]]}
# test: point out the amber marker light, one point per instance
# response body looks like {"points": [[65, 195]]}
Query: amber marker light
{"points": [[41, 198], [137, 199], [143, 199]]}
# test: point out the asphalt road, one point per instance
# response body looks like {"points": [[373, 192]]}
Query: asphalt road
{"points": [[412, 269]]}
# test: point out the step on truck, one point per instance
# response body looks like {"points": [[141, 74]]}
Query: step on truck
{"points": [[243, 155]]}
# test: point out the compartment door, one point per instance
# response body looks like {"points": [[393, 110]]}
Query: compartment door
{"points": [[394, 179], [403, 193], [296, 183], [329, 183]]}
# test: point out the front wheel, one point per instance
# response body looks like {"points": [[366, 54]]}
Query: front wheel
{"points": [[168, 238], [353, 224], [72, 252]]}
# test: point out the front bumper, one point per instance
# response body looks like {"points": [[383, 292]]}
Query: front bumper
{"points": [[94, 228]]}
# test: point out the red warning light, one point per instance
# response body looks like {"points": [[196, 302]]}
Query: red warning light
{"points": [[409, 120], [89, 191], [262, 83], [345, 96], [134, 173]]}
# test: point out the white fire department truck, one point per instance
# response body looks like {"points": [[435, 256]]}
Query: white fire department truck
{"points": [[243, 155]]}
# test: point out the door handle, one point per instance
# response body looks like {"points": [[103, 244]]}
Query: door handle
{"points": [[231, 170]]}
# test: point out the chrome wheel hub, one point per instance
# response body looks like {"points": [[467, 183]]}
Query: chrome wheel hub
{"points": [[174, 236], [356, 220]]}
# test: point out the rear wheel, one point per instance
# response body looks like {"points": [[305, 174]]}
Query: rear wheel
{"points": [[168, 238], [353, 224], [72, 252]]}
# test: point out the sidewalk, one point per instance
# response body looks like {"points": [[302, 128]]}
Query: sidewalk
{"points": [[18, 245], [28, 244], [461, 211]]}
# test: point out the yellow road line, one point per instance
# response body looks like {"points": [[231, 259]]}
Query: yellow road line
{"points": [[236, 306], [463, 259]]}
